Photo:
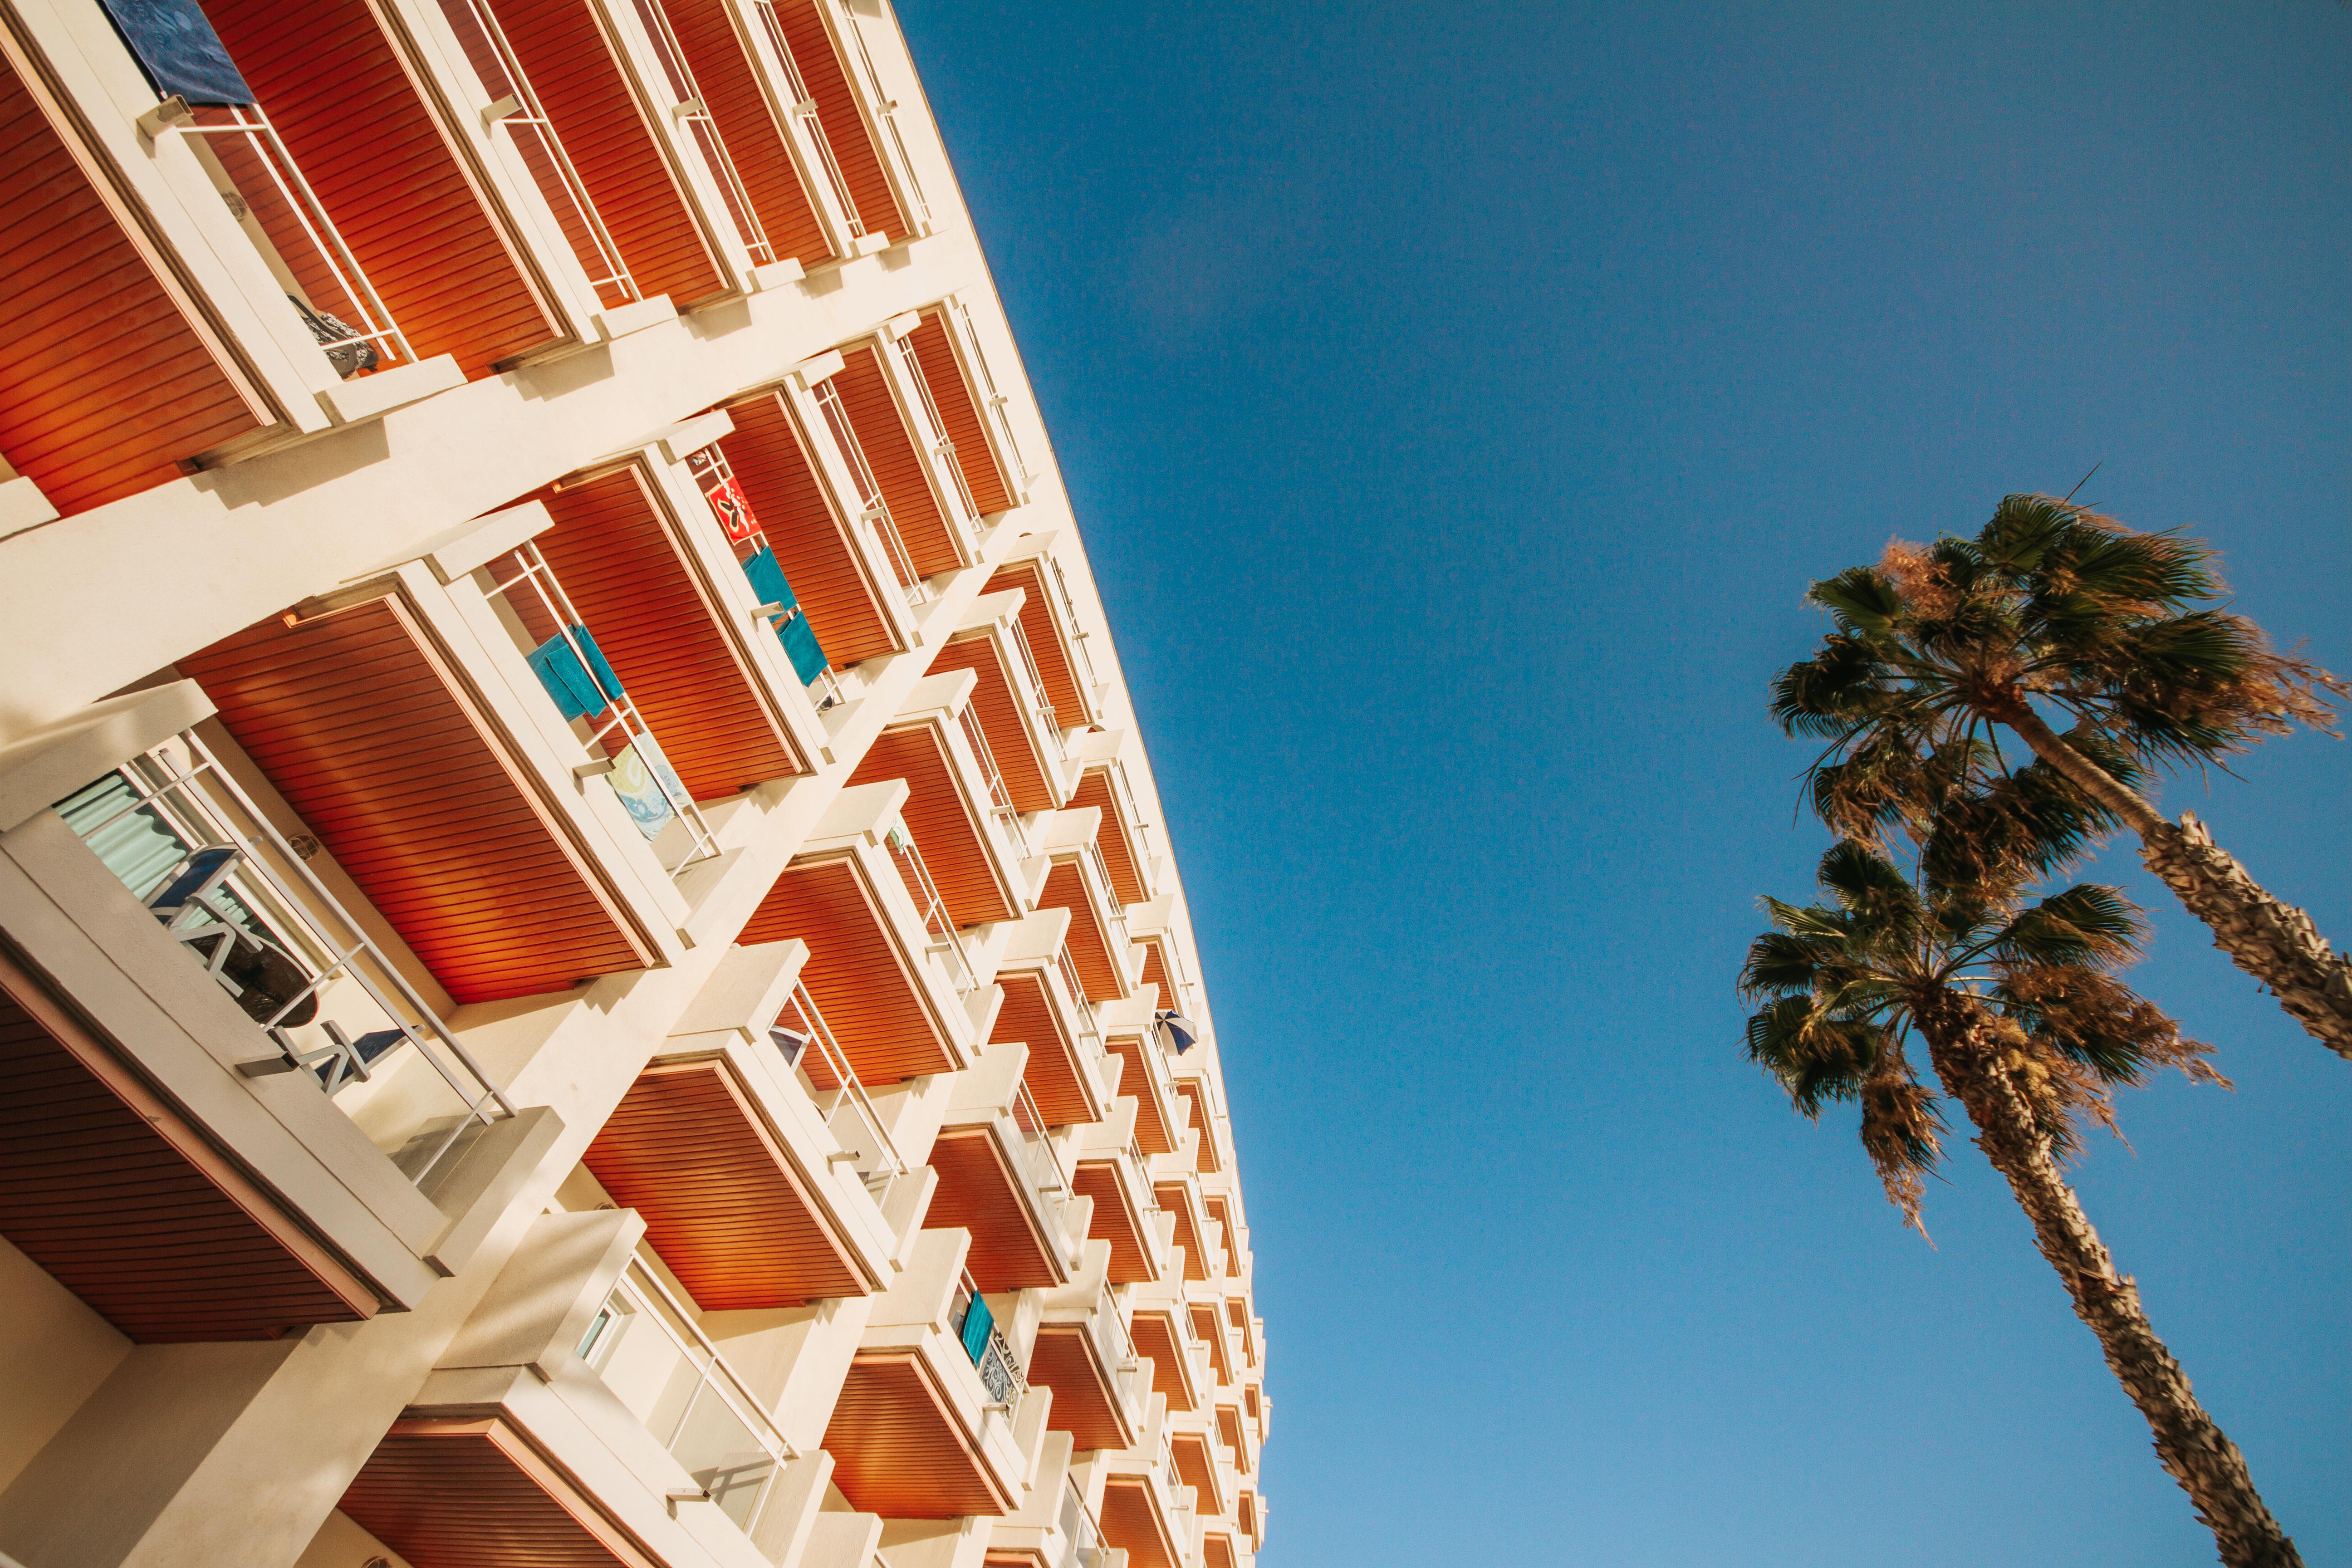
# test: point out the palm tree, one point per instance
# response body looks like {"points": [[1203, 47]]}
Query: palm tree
{"points": [[2054, 606], [2028, 1028]]}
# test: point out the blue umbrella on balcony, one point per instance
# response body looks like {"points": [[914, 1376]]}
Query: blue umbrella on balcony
{"points": [[1176, 1032]]}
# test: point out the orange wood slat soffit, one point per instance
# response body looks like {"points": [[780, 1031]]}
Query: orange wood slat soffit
{"points": [[722, 1202], [715, 53], [1131, 1520], [127, 1205], [469, 1492], [997, 707], [632, 578], [855, 973], [109, 378], [1100, 971], [944, 820], [1063, 1358], [897, 465], [811, 541], [898, 1449], [959, 411], [1155, 1336], [836, 110], [978, 1192], [565, 53], [1052, 1074], [1153, 1134], [1116, 1220], [1118, 848], [390, 175], [360, 722], [1055, 669]]}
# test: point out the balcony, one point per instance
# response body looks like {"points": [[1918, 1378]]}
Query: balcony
{"points": [[1162, 1115], [1021, 730], [1145, 1511], [1181, 1198], [583, 1411], [849, 572], [1162, 1331], [1209, 1328], [1239, 1443], [1202, 1467], [682, 618], [1001, 1177], [1078, 880], [972, 410], [955, 804], [1215, 1153], [1125, 839], [269, 1125], [1115, 1175], [452, 739], [759, 1189], [890, 976], [879, 415], [1049, 621], [851, 119], [1083, 1354], [935, 1420], [1070, 1074]]}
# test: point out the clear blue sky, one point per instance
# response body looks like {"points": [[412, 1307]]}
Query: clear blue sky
{"points": [[1457, 399]]}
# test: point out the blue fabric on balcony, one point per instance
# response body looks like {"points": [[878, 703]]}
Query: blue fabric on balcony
{"points": [[793, 631], [177, 49], [647, 785], [577, 693], [977, 1320]]}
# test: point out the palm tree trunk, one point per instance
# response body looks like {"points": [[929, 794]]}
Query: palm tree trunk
{"points": [[2194, 1451], [2273, 942]]}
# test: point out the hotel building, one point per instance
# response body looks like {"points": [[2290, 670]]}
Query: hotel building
{"points": [[590, 967]]}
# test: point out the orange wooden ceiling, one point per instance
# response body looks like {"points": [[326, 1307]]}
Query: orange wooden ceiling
{"points": [[1053, 1075], [811, 541], [627, 573], [563, 50], [1116, 1220], [945, 822], [721, 1201], [855, 973], [1131, 1519], [1229, 1426], [1118, 848], [1152, 1133], [755, 143], [959, 411], [400, 193], [108, 380], [1246, 1513], [1064, 1359], [468, 1493], [994, 701], [1101, 972], [1173, 1199], [1196, 1469], [1072, 708], [897, 465], [1212, 1333], [362, 726], [896, 1448], [836, 111], [127, 1205], [1218, 1552], [1155, 972], [978, 1192], [1154, 1332], [1207, 1157]]}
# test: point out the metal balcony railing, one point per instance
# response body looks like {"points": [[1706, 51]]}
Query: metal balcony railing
{"points": [[1000, 798], [816, 1059], [177, 829], [935, 435], [1039, 703], [1044, 1160], [1081, 1533], [688, 109], [995, 400], [886, 112], [687, 1394], [975, 1324], [803, 109], [1079, 1006], [515, 108], [874, 513], [264, 191], [941, 937], [563, 653], [1070, 618]]}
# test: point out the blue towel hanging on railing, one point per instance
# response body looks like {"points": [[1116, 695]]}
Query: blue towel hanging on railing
{"points": [[794, 630], [175, 44], [576, 692], [977, 1320]]}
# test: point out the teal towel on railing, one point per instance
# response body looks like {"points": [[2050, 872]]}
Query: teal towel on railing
{"points": [[977, 1320], [577, 693], [793, 631]]}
